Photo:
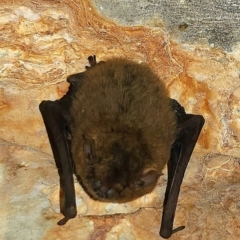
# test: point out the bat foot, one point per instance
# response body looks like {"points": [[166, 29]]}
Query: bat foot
{"points": [[178, 229], [68, 214], [63, 221], [167, 233]]}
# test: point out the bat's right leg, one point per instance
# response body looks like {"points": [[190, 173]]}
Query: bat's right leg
{"points": [[56, 123]]}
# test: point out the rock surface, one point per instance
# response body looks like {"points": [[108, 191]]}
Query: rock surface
{"points": [[41, 43], [212, 22]]}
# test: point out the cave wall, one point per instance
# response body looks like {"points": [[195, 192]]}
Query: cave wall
{"points": [[42, 42]]}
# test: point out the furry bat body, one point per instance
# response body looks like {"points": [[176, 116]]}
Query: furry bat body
{"points": [[116, 129]]}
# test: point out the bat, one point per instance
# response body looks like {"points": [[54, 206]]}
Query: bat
{"points": [[116, 129]]}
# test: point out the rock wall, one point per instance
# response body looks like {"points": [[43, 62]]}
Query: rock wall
{"points": [[41, 43]]}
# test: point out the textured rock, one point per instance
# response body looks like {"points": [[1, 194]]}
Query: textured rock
{"points": [[41, 43], [213, 22], [209, 200]]}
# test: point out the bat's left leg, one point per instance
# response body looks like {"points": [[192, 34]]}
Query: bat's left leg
{"points": [[189, 130]]}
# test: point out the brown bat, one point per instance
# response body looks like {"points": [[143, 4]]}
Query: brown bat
{"points": [[116, 129]]}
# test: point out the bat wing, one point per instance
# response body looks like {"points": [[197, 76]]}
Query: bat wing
{"points": [[57, 120], [189, 129], [56, 123]]}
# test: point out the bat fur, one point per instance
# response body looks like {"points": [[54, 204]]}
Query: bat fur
{"points": [[122, 130]]}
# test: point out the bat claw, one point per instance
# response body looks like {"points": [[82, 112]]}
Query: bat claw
{"points": [[178, 229], [92, 60], [167, 233], [69, 213], [63, 221]]}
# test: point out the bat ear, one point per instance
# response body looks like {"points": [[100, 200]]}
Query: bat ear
{"points": [[150, 178], [89, 149]]}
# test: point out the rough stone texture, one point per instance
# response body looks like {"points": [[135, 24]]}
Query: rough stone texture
{"points": [[214, 22], [208, 206], [41, 43]]}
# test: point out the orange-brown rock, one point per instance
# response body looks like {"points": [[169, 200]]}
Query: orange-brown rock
{"points": [[41, 43]]}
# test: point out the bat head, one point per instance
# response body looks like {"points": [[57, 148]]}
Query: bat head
{"points": [[119, 170]]}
